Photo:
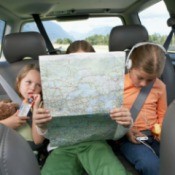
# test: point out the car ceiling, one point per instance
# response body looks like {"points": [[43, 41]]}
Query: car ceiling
{"points": [[54, 8]]}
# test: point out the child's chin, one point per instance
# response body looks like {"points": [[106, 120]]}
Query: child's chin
{"points": [[137, 86]]}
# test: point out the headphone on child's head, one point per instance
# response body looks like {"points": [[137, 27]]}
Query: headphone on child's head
{"points": [[129, 61]]}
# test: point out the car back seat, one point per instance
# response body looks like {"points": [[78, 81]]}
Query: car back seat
{"points": [[17, 49]]}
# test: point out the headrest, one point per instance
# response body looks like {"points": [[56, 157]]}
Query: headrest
{"points": [[17, 46], [125, 37]]}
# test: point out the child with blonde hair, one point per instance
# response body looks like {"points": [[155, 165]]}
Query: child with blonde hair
{"points": [[28, 83], [145, 64]]}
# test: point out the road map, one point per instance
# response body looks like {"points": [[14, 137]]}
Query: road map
{"points": [[80, 90]]}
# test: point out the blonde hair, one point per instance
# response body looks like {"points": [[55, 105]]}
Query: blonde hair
{"points": [[149, 57], [80, 45], [23, 72]]}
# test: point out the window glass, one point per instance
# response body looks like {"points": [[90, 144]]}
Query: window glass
{"points": [[155, 20], [2, 27], [94, 30]]}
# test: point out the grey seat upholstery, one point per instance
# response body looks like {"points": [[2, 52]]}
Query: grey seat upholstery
{"points": [[16, 47], [167, 147], [16, 157], [125, 37], [168, 77]]}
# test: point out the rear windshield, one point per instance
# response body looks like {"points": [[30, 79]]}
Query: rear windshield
{"points": [[94, 30]]}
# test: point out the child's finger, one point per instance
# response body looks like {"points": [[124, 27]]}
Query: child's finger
{"points": [[37, 101]]}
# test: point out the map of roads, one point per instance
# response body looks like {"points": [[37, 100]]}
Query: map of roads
{"points": [[81, 88]]}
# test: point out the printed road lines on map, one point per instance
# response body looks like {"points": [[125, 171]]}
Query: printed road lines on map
{"points": [[80, 84]]}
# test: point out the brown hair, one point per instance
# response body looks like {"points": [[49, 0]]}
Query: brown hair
{"points": [[23, 72], [149, 57], [80, 45]]}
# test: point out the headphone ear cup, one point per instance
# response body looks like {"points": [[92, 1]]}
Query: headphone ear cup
{"points": [[129, 64]]}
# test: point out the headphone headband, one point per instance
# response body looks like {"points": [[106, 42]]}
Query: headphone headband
{"points": [[129, 61]]}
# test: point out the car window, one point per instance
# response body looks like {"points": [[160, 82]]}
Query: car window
{"points": [[155, 22], [62, 33], [2, 27]]}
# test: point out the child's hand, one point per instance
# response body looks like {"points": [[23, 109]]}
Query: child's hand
{"points": [[133, 134], [41, 116], [15, 121], [122, 116]]}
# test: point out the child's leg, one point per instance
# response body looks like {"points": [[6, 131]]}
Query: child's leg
{"points": [[98, 159], [62, 161], [145, 161]]}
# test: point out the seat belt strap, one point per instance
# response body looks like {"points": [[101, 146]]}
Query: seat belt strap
{"points": [[10, 91], [43, 32], [140, 100], [12, 94], [169, 37]]}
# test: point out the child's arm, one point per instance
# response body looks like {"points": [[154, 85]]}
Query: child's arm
{"points": [[14, 121], [122, 117], [162, 106], [9, 115], [161, 110], [41, 117]]}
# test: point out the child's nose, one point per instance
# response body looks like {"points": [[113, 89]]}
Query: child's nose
{"points": [[143, 83], [32, 86]]}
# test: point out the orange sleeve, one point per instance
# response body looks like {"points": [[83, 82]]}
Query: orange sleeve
{"points": [[162, 105]]}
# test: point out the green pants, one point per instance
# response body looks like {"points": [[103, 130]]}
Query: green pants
{"points": [[96, 158]]}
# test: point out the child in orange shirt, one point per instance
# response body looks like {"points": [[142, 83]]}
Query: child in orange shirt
{"points": [[148, 61]]}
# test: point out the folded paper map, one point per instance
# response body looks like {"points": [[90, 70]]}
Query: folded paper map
{"points": [[80, 90]]}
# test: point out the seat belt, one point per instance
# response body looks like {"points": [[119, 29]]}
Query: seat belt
{"points": [[136, 107], [12, 94], [43, 32], [140, 100], [169, 37], [10, 91]]}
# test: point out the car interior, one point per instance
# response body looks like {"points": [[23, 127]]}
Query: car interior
{"points": [[19, 48], [16, 156]]}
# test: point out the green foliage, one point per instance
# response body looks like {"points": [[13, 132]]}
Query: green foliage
{"points": [[64, 41], [98, 39], [94, 40], [157, 38], [104, 39], [160, 39]]}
